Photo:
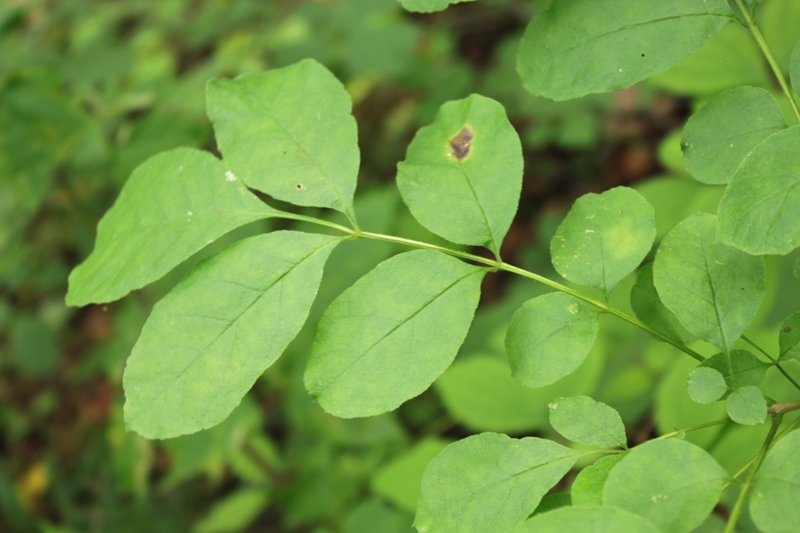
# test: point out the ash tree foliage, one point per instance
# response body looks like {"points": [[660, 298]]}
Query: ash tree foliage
{"points": [[289, 134]]}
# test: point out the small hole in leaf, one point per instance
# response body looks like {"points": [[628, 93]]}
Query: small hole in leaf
{"points": [[300, 187], [642, 55], [461, 143]]}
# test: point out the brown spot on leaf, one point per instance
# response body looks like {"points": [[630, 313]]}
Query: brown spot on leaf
{"points": [[787, 329], [461, 144]]}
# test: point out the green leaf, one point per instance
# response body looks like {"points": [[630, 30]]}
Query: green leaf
{"points": [[399, 480], [719, 136], [672, 483], [289, 133], [731, 58], [213, 335], [489, 483], [713, 289], [706, 385], [795, 69], [577, 47], [234, 512], [776, 491], [428, 6], [648, 307], [553, 501], [603, 238], [741, 369], [759, 213], [364, 517], [585, 421], [390, 335], [746, 405], [587, 489], [549, 337], [797, 269], [480, 393], [587, 520], [789, 339], [462, 175], [172, 206]]}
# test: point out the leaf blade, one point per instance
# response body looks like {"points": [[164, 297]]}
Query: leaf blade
{"points": [[758, 213], [577, 47], [566, 329], [580, 519], [196, 201], [672, 483], [216, 344], [586, 421], [719, 136], [713, 289], [776, 491], [449, 178], [603, 238], [747, 406], [489, 483], [382, 320], [289, 132]]}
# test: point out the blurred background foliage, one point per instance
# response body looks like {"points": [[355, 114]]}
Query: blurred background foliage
{"points": [[89, 89]]}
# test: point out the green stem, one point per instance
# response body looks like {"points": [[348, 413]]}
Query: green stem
{"points": [[770, 59], [694, 428], [740, 501], [499, 265], [782, 434], [774, 361]]}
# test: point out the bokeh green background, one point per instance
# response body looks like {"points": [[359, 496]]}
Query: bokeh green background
{"points": [[90, 89]]}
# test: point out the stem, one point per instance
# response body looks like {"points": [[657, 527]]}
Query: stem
{"points": [[774, 361], [785, 407], [770, 59], [740, 501], [499, 265], [693, 428]]}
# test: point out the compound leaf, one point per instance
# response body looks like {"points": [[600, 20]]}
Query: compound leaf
{"points": [[706, 385], [586, 421], [776, 491], [173, 205], [759, 213], [603, 238], [672, 483], [746, 405], [428, 6], [463, 174], [580, 519], [549, 337], [717, 138], [289, 133], [648, 307], [389, 336], [587, 489], [713, 289], [789, 339], [210, 338], [489, 483], [577, 47]]}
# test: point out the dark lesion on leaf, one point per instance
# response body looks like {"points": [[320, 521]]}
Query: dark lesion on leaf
{"points": [[461, 144]]}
